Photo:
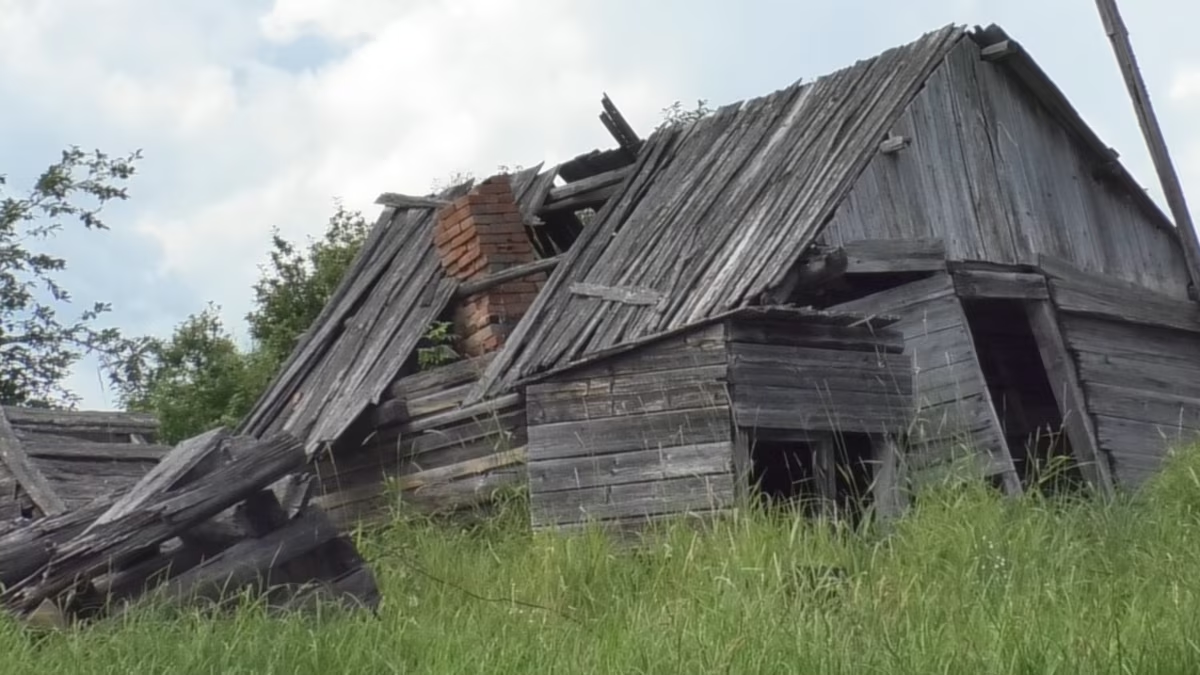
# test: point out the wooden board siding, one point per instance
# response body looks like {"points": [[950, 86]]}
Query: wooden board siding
{"points": [[992, 172], [439, 456], [1142, 386], [778, 386], [641, 435], [953, 411]]}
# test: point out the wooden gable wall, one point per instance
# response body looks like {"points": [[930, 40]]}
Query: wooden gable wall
{"points": [[991, 172]]}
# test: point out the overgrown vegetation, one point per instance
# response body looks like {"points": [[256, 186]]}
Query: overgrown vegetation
{"points": [[968, 583], [200, 377]]}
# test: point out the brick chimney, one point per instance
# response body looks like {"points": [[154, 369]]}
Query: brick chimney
{"points": [[479, 234]]}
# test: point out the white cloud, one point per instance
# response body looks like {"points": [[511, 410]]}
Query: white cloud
{"points": [[1185, 90], [239, 146]]}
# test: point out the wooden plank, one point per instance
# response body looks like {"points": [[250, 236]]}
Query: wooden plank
{"points": [[676, 495], [1068, 392], [469, 288], [1094, 295], [977, 284], [588, 184], [625, 295], [24, 471], [622, 434], [64, 447], [893, 301], [800, 334], [439, 378], [1161, 408], [627, 394], [891, 256], [832, 410], [819, 369], [80, 422], [453, 472], [1124, 438], [399, 201], [575, 473], [166, 475]]}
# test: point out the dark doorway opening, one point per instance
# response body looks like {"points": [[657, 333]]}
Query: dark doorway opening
{"points": [[1022, 394], [825, 473], [783, 473], [854, 473]]}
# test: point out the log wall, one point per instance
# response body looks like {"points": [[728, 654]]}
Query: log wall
{"points": [[643, 435], [426, 450]]}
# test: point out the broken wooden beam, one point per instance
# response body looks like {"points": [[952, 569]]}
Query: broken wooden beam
{"points": [[166, 475], [466, 290], [588, 184], [399, 201], [619, 127], [26, 550], [119, 541]]}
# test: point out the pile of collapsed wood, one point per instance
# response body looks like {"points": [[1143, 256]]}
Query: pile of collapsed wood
{"points": [[219, 515]]}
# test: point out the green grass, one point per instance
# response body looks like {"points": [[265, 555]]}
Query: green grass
{"points": [[968, 583]]}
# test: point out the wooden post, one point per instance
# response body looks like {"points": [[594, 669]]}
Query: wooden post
{"points": [[1114, 25]]}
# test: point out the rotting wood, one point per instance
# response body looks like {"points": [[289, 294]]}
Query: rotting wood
{"points": [[166, 475], [399, 201], [26, 474], [100, 425], [116, 542], [1064, 380], [25, 550]]}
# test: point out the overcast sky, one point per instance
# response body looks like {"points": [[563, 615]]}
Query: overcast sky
{"points": [[255, 114]]}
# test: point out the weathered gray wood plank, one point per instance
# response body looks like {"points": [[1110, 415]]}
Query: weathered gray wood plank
{"points": [[631, 394], [166, 475], [1072, 404], [622, 434], [676, 495], [28, 475], [575, 473]]}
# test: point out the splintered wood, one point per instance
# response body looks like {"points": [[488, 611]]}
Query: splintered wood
{"points": [[204, 525]]}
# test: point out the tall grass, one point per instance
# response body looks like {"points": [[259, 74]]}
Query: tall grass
{"points": [[968, 582]]}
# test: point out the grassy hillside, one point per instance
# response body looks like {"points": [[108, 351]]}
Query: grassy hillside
{"points": [[969, 583]]}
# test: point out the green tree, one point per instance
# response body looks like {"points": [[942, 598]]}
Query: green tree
{"points": [[676, 114], [199, 378], [294, 287], [37, 346]]}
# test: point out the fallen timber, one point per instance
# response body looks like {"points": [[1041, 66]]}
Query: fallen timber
{"points": [[204, 525]]}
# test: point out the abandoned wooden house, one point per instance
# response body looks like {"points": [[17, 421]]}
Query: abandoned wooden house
{"points": [[53, 461], [990, 280]]}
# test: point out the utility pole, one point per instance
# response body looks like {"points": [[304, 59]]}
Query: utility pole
{"points": [[1118, 34]]}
